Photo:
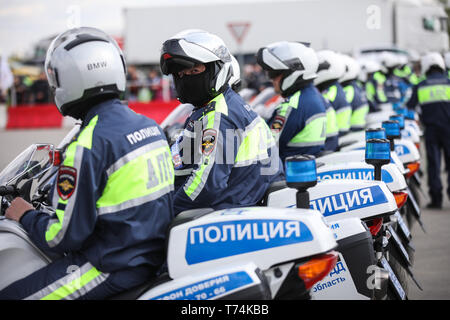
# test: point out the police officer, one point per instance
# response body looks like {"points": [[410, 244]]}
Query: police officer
{"points": [[433, 97], [354, 94], [405, 72], [394, 86], [373, 85], [298, 123], [226, 149], [113, 192], [330, 70]]}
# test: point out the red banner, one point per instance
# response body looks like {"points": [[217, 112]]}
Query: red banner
{"points": [[34, 116], [48, 116]]}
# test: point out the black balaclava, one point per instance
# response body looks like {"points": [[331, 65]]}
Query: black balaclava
{"points": [[196, 89]]}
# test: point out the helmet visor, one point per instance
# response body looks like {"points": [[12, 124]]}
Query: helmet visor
{"points": [[174, 59]]}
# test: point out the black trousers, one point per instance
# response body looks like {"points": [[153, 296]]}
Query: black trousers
{"points": [[73, 277], [437, 143]]}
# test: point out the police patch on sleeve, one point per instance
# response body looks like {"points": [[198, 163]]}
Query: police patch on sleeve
{"points": [[208, 141], [66, 182], [278, 123]]}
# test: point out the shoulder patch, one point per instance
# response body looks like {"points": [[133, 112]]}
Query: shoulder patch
{"points": [[66, 181], [278, 123], [209, 138]]}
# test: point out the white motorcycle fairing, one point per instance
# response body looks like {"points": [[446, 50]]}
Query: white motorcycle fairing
{"points": [[341, 199], [362, 171]]}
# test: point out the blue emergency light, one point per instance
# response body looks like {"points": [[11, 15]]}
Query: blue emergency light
{"points": [[401, 120], [378, 150], [301, 174], [301, 171], [375, 133], [378, 153], [410, 114], [403, 111], [392, 129]]}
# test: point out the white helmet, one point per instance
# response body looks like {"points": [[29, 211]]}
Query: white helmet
{"points": [[403, 60], [82, 65], [432, 59], [413, 56], [352, 68], [447, 60], [389, 60], [371, 66], [368, 66], [331, 66], [235, 80], [189, 48], [297, 63]]}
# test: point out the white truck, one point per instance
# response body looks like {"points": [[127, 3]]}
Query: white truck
{"points": [[246, 25]]}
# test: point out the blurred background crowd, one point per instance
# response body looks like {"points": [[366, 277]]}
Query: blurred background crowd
{"points": [[407, 27], [27, 85]]}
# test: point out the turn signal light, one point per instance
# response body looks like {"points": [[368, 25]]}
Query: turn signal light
{"points": [[413, 168], [375, 225], [58, 158], [417, 146], [400, 198], [317, 268]]}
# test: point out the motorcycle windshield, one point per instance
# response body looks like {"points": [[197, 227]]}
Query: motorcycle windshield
{"points": [[178, 116], [34, 160]]}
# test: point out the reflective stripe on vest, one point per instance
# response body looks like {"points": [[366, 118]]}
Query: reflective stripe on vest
{"points": [[313, 134], [73, 285], [332, 127], [331, 93], [257, 138], [433, 93], [349, 93], [57, 228], [358, 118], [343, 116], [141, 176]]}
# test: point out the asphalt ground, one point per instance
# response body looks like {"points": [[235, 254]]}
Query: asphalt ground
{"points": [[432, 249]]}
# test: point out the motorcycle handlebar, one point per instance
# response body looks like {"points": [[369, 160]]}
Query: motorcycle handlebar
{"points": [[7, 190]]}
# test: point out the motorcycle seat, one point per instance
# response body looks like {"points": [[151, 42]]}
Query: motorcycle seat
{"points": [[189, 215], [274, 186], [324, 153]]}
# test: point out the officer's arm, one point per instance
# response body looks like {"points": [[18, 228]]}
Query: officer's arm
{"points": [[74, 202], [206, 184], [343, 112], [285, 125], [413, 100]]}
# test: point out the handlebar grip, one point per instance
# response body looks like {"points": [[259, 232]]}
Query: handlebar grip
{"points": [[7, 190]]}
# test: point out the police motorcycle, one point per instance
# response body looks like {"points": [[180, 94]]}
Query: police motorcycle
{"points": [[358, 263], [374, 204], [246, 253], [349, 164], [405, 155]]}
